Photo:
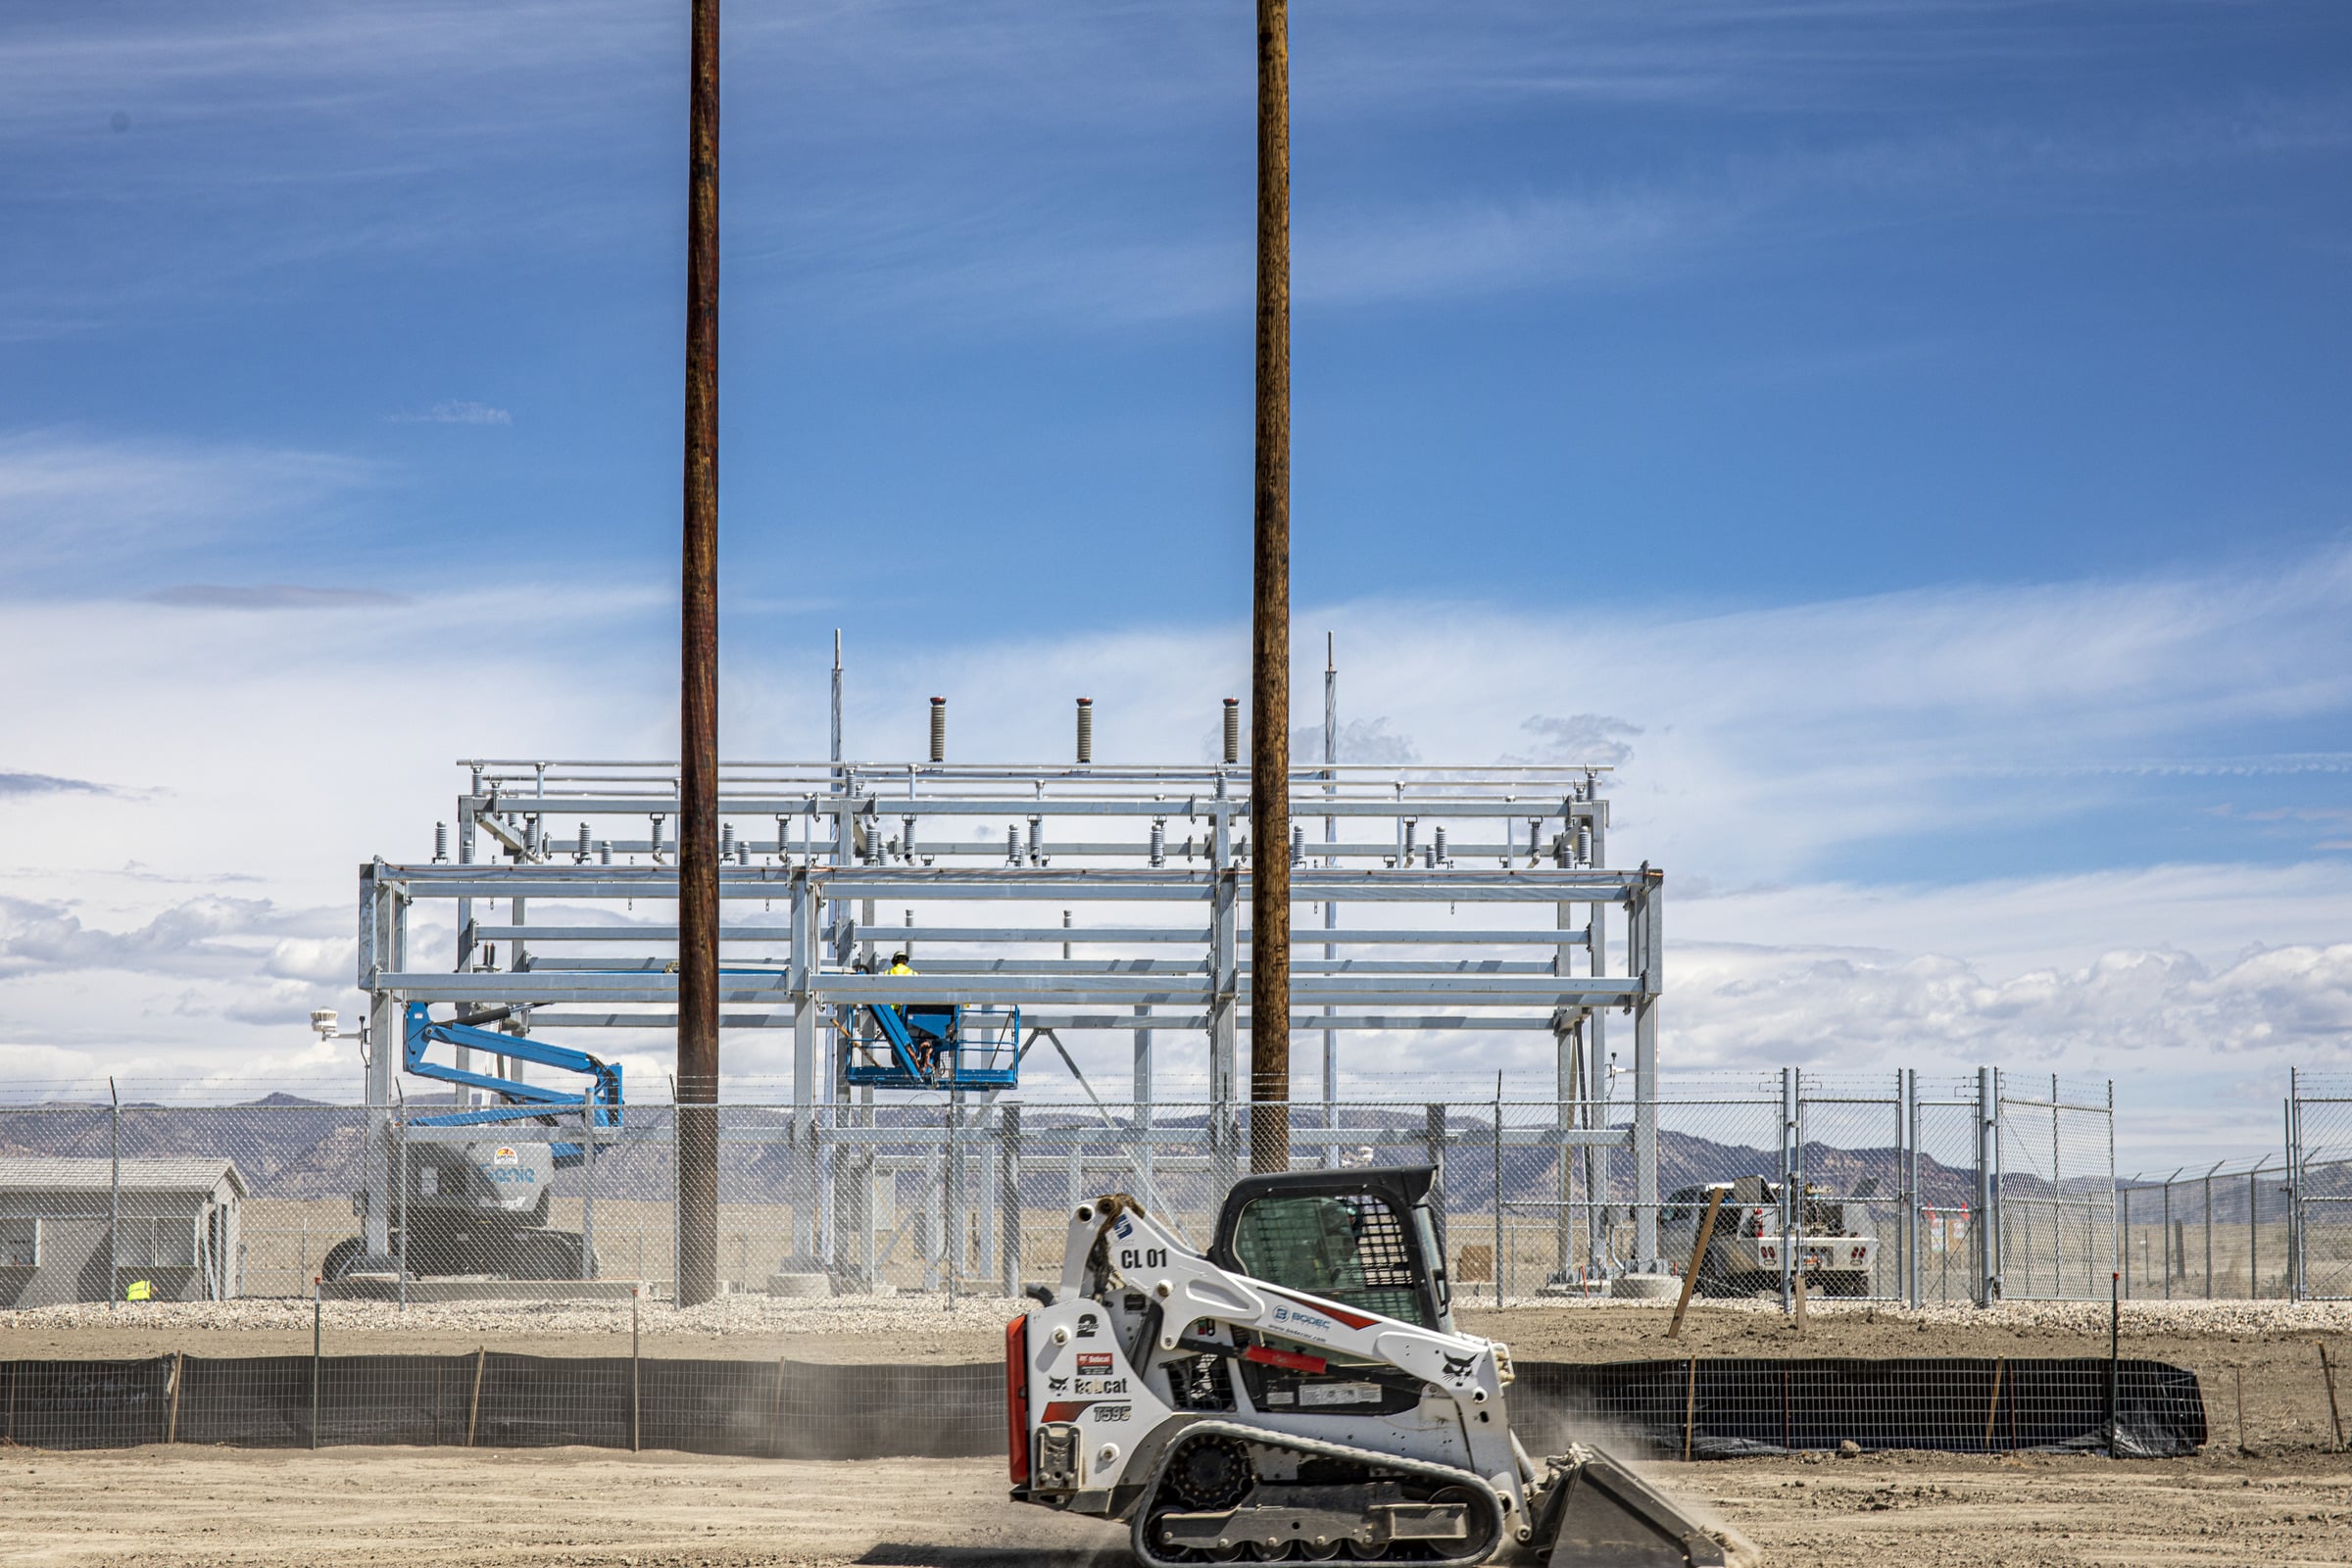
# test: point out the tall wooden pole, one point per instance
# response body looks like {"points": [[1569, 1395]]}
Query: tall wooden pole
{"points": [[1270, 628], [698, 704]]}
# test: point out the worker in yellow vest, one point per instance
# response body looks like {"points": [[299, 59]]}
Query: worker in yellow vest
{"points": [[926, 1050]]}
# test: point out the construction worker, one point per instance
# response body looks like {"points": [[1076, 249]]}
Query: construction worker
{"points": [[926, 1049]]}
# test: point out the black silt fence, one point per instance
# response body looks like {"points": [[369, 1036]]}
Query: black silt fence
{"points": [[1727, 1409], [1705, 1408]]}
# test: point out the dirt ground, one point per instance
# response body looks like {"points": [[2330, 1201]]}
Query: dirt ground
{"points": [[574, 1507]]}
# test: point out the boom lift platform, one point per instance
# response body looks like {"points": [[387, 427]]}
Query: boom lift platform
{"points": [[480, 1207], [1300, 1392], [932, 1045]]}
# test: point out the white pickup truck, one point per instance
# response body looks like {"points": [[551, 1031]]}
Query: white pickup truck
{"points": [[1743, 1255]]}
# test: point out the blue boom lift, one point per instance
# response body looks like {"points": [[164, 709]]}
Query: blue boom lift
{"points": [[482, 1208], [933, 1044]]}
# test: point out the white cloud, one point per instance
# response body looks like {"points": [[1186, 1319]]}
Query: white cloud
{"points": [[1755, 747]]}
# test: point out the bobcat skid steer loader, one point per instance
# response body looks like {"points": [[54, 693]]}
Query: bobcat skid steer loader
{"points": [[1299, 1393]]}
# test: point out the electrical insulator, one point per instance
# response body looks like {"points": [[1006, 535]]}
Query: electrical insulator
{"points": [[1159, 840], [580, 855], [440, 842]]}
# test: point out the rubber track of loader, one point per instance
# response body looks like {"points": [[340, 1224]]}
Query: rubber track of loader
{"points": [[1139, 1528]]}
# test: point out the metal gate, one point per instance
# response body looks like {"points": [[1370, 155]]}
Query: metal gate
{"points": [[2319, 1166], [2054, 1204]]}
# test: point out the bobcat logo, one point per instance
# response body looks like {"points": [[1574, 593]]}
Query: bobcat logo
{"points": [[1459, 1366], [1056, 1385]]}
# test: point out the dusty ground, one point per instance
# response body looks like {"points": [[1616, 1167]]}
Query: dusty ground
{"points": [[569, 1509]]}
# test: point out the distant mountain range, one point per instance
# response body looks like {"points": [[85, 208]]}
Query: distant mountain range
{"points": [[295, 1149]]}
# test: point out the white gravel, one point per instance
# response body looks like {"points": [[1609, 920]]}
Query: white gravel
{"points": [[728, 1317], [2217, 1319], [895, 1317]]}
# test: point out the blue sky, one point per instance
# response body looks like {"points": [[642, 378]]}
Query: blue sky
{"points": [[1940, 408]]}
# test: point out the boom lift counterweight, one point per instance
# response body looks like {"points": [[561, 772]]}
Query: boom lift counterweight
{"points": [[482, 1208]]}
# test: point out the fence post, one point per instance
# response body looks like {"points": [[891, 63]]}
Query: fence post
{"points": [[1498, 1189], [588, 1269], [404, 1208], [1988, 1136], [1907, 1126], [2254, 1232], [2168, 1234], [2115, 1237], [1008, 1133], [2209, 1230], [2123, 1235], [2295, 1282], [1433, 1132], [113, 1209], [1788, 1193]]}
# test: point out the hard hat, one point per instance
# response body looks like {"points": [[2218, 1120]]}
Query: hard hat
{"points": [[898, 957]]}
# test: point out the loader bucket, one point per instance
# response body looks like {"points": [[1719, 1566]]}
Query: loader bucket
{"points": [[1601, 1515]]}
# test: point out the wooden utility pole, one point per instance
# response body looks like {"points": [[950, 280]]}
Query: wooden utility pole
{"points": [[697, 1093], [1271, 626]]}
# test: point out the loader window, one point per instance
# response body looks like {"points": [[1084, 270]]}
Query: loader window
{"points": [[1356, 1251]]}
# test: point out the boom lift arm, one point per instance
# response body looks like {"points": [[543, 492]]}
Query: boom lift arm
{"points": [[602, 1096]]}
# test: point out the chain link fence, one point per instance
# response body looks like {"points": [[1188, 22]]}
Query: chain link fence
{"points": [[2212, 1232], [1887, 1187]]}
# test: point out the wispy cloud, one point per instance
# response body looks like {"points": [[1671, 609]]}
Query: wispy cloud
{"points": [[20, 784], [77, 505], [268, 596], [1055, 167], [457, 413]]}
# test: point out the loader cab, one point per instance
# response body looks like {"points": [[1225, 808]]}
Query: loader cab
{"points": [[1368, 1239]]}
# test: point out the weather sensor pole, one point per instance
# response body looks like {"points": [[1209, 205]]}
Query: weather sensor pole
{"points": [[1270, 628], [697, 1092]]}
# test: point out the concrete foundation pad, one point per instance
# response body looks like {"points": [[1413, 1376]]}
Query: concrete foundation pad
{"points": [[800, 1286], [1644, 1288], [436, 1291]]}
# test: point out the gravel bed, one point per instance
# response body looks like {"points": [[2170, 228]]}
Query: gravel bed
{"points": [[2188, 1318], [892, 1318], [729, 1316]]}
